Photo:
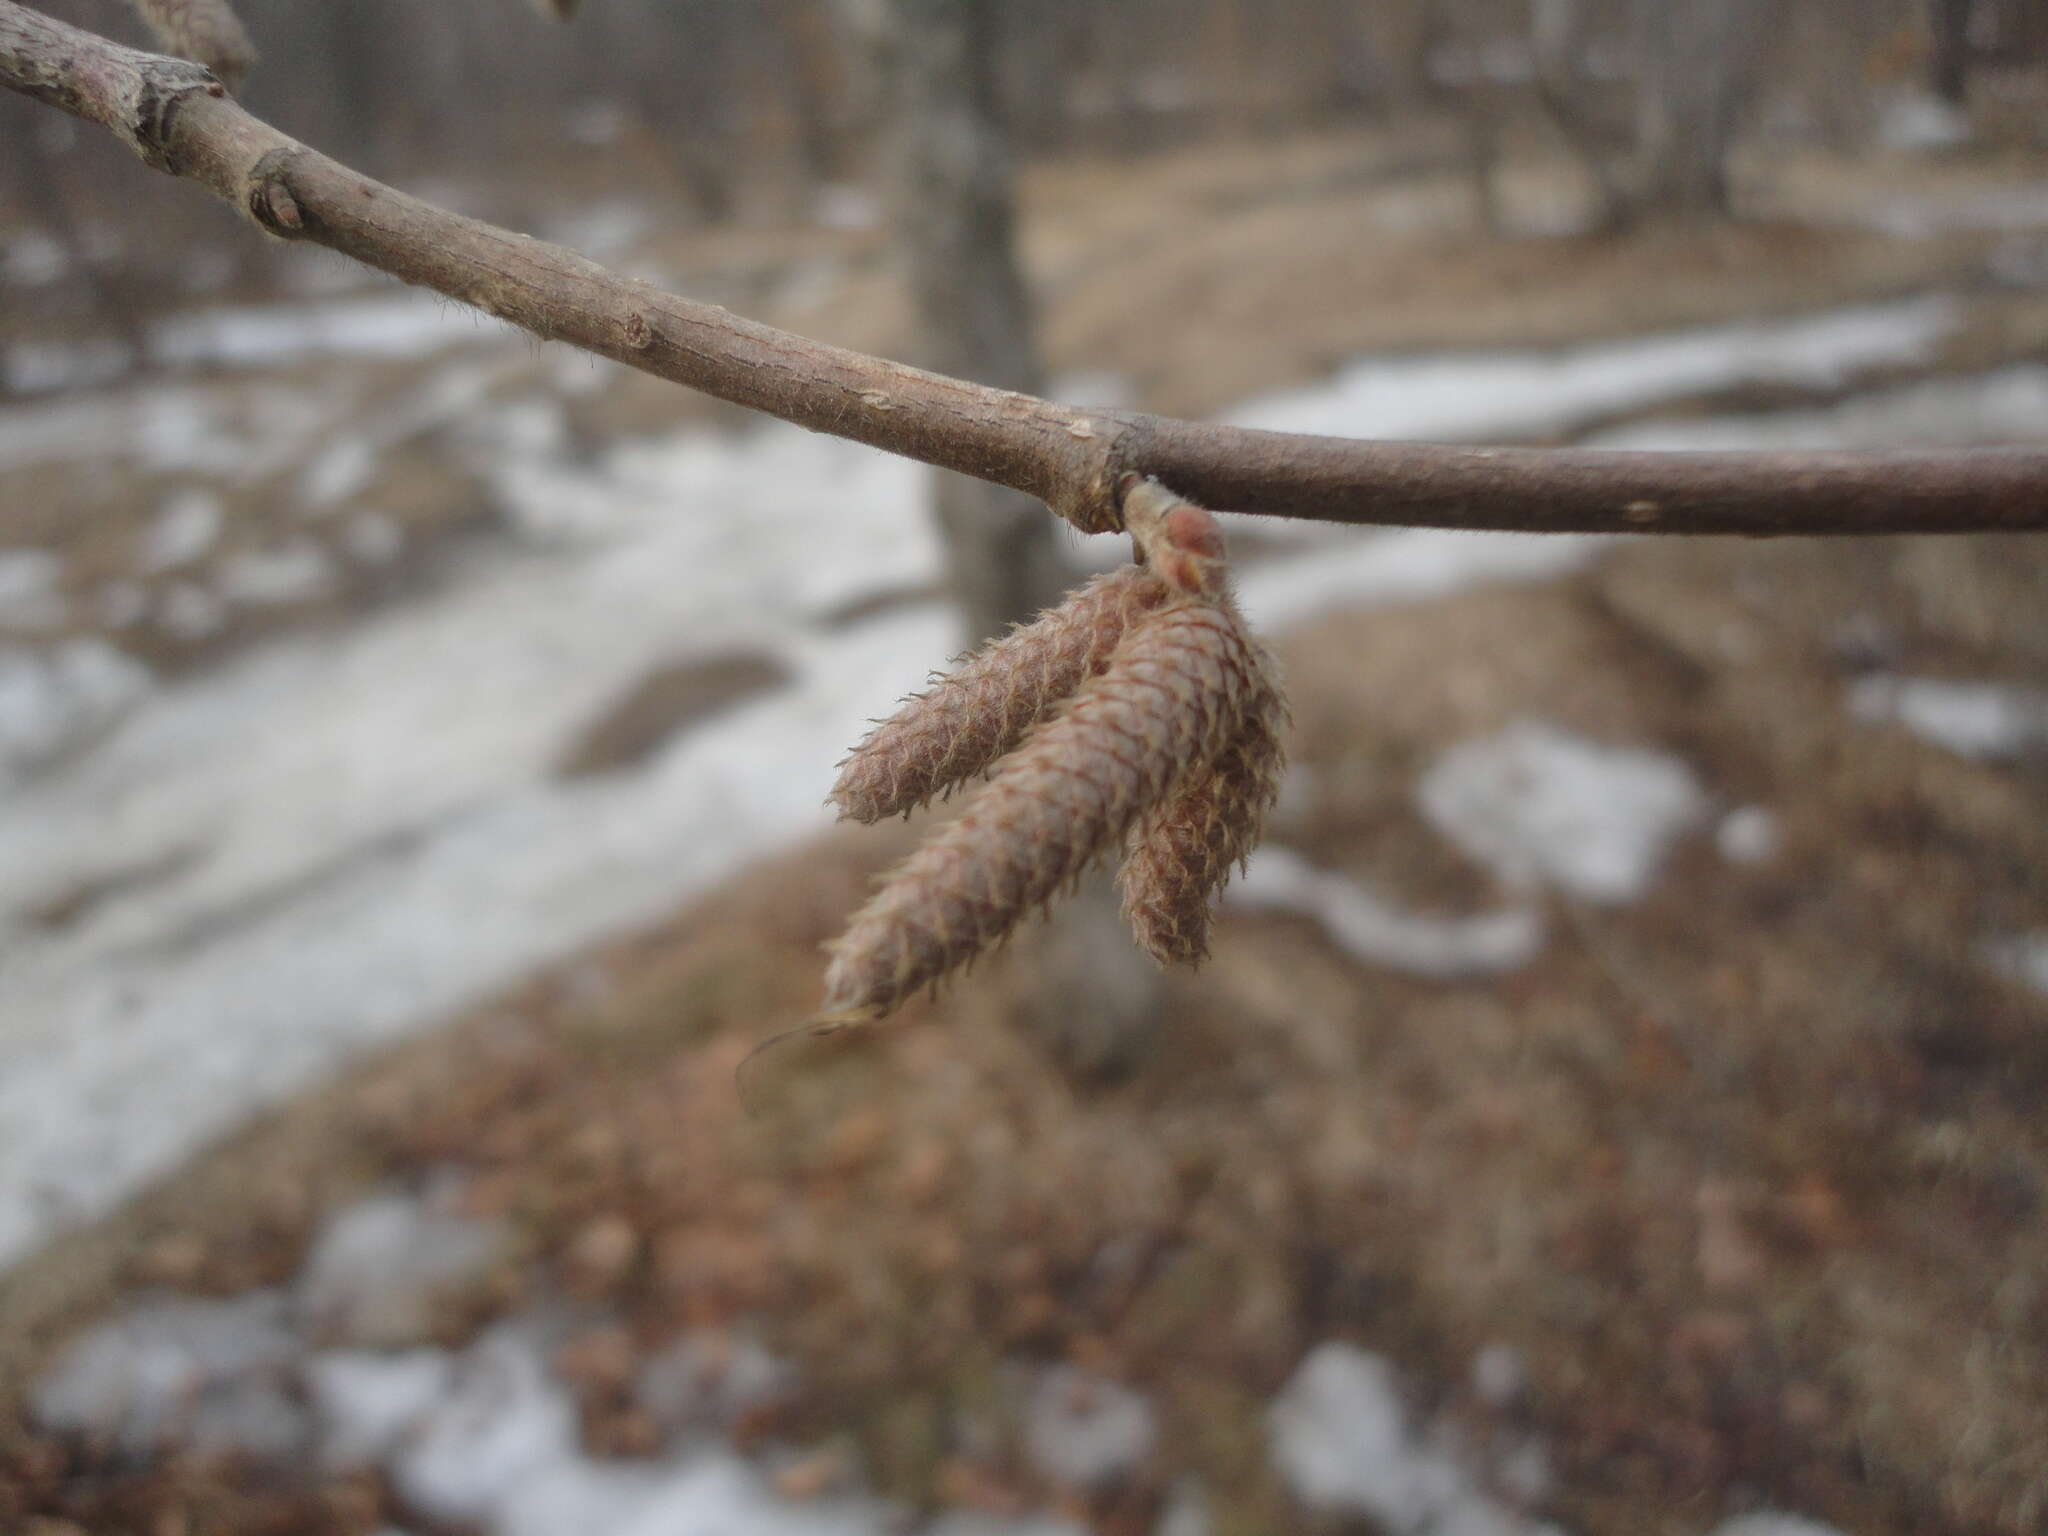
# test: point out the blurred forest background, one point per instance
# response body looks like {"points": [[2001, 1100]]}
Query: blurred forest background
{"points": [[1614, 1101]]}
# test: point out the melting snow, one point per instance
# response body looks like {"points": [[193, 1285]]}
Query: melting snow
{"points": [[34, 260], [367, 1404], [53, 704], [1343, 1443], [1477, 395], [29, 596], [380, 837], [1980, 720], [500, 1449], [1374, 931], [186, 527], [1537, 804], [160, 1369], [191, 612], [1085, 1432], [1749, 834], [404, 322], [373, 538], [706, 1383], [293, 572], [2005, 405], [382, 1269], [2023, 957], [169, 430]]}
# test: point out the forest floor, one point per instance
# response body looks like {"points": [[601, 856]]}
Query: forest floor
{"points": [[1741, 1169]]}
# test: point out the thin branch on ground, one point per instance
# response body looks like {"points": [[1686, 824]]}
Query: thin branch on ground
{"points": [[177, 118]]}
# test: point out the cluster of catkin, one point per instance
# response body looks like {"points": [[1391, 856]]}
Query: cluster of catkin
{"points": [[1139, 714]]}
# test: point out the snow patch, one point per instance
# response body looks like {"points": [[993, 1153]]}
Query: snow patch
{"points": [[297, 571], [189, 611], [239, 436], [53, 704], [1539, 805], [504, 1425], [1749, 834], [403, 323], [1411, 565], [29, 595], [373, 538], [704, 1384], [1085, 1432], [1506, 394], [1371, 930], [169, 1366], [2004, 405], [34, 260], [1341, 1438], [601, 230], [186, 527], [341, 470], [1917, 122], [1987, 721], [2023, 957], [367, 1404], [381, 1270]]}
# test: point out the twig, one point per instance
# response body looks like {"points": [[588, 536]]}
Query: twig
{"points": [[176, 117]]}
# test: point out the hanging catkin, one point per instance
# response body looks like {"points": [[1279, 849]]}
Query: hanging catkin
{"points": [[1181, 853], [981, 711], [1173, 697]]}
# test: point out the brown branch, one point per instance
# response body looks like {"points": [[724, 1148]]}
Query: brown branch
{"points": [[177, 118]]}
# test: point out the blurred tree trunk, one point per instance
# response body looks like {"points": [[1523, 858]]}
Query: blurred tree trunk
{"points": [[1950, 24], [954, 217], [1557, 40], [1694, 61]]}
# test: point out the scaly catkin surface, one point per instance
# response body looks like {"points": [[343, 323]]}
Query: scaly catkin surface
{"points": [[1173, 697], [984, 709], [1183, 852]]}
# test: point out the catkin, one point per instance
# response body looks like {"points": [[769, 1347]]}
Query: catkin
{"points": [[1181, 853], [1173, 697], [980, 712]]}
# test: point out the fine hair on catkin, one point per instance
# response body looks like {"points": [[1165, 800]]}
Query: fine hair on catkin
{"points": [[1181, 853], [1175, 695], [982, 710]]}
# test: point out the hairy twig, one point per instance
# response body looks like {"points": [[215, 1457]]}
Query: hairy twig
{"points": [[178, 120]]}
